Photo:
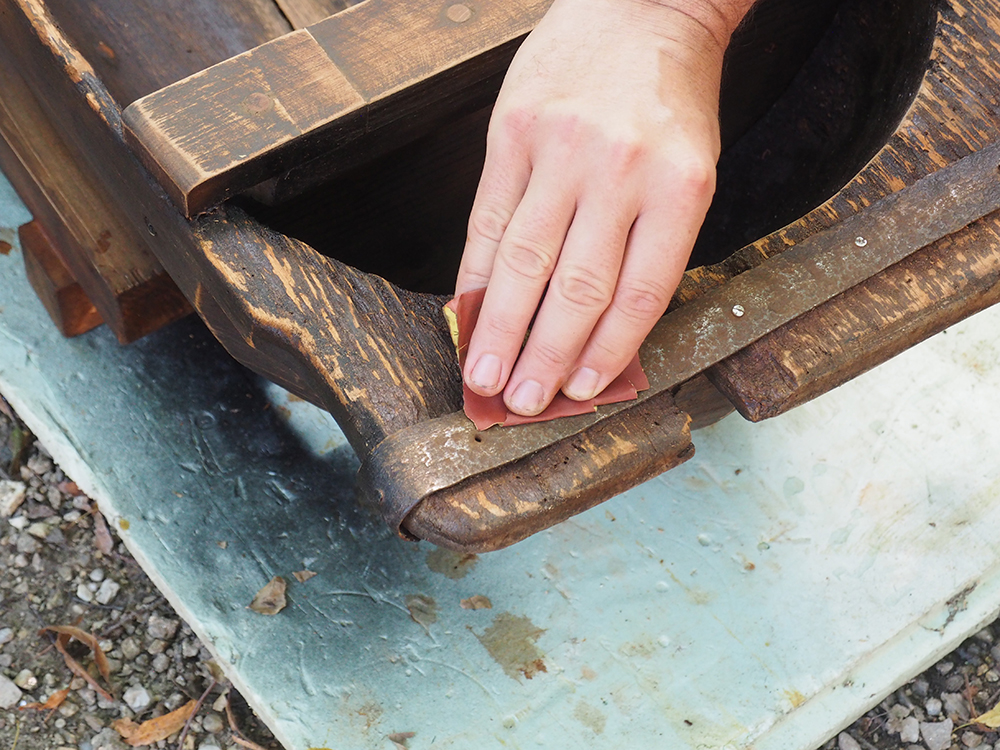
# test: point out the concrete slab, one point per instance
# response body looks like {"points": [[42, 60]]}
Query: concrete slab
{"points": [[761, 596]]}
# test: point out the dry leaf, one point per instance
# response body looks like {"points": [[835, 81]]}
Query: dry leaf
{"points": [[270, 600], [63, 635], [423, 609], [303, 575], [102, 537], [989, 719], [402, 737], [69, 487], [156, 729], [55, 700], [476, 602]]}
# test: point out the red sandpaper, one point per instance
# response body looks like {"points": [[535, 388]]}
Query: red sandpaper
{"points": [[488, 411]]}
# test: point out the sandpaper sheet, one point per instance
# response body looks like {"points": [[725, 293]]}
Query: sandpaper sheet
{"points": [[487, 411]]}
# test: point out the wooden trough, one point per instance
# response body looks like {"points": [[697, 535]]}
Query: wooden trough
{"points": [[302, 180]]}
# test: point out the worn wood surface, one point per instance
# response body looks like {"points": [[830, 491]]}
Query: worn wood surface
{"points": [[139, 46], [105, 255], [372, 354], [302, 13], [379, 65], [65, 301], [956, 111]]}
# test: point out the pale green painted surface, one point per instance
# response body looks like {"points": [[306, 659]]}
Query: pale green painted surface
{"points": [[807, 562]]}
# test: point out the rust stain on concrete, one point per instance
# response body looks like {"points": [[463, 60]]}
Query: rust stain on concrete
{"points": [[451, 564], [510, 640]]}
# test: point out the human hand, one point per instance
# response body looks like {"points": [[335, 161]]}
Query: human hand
{"points": [[600, 167]]}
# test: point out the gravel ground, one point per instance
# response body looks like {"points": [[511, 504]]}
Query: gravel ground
{"points": [[56, 574]]}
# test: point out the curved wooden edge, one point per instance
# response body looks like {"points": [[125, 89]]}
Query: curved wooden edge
{"points": [[956, 112], [308, 93], [494, 510]]}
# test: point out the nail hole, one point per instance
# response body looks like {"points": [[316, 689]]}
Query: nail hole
{"points": [[149, 227], [478, 439]]}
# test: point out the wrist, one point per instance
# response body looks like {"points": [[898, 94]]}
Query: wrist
{"points": [[715, 19]]}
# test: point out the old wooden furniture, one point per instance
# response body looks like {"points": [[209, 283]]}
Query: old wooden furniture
{"points": [[346, 149]]}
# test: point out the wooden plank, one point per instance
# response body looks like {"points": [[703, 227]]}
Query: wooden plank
{"points": [[378, 65], [66, 302], [107, 257], [302, 13], [139, 46], [956, 112]]}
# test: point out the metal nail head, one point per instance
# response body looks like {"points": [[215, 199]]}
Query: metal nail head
{"points": [[860, 241], [739, 311], [458, 13]]}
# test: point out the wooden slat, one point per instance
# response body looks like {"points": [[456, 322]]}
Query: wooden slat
{"points": [[378, 65], [66, 302], [107, 257], [139, 46], [302, 13], [956, 112]]}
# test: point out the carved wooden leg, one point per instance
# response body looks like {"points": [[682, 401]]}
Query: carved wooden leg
{"points": [[67, 304]]}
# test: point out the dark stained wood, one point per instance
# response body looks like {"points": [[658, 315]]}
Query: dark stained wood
{"points": [[378, 357], [139, 46], [65, 301], [957, 111], [377, 65], [703, 401], [302, 13], [494, 510], [107, 257]]}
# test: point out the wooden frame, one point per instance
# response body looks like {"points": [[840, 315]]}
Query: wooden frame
{"points": [[377, 356]]}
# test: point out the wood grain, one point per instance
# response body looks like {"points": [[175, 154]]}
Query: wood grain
{"points": [[106, 256], [64, 300], [956, 111], [377, 66], [302, 13]]}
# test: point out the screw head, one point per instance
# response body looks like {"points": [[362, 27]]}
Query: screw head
{"points": [[739, 311], [860, 241], [458, 13]]}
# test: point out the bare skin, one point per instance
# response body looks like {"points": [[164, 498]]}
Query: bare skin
{"points": [[600, 167]]}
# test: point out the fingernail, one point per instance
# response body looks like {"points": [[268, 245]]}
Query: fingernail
{"points": [[486, 373], [582, 384], [527, 398]]}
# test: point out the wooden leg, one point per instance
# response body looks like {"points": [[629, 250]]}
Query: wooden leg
{"points": [[68, 305]]}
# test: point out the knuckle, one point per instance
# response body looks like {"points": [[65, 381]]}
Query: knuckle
{"points": [[696, 179], [642, 299], [514, 124], [583, 288], [488, 222], [625, 155], [499, 328], [527, 258], [551, 357]]}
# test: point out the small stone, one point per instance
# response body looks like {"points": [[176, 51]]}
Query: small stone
{"points": [[39, 464], [910, 730], [189, 649], [955, 682], [208, 745], [161, 662], [84, 593], [137, 698], [107, 592], [212, 723], [26, 680], [971, 739], [846, 742], [220, 702], [12, 494], [894, 718], [6, 636], [955, 705], [96, 575], [156, 647], [18, 522], [937, 735], [27, 545], [161, 628], [10, 693], [933, 707], [68, 709], [944, 667], [131, 647], [107, 739]]}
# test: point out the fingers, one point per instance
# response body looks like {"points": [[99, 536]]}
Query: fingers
{"points": [[581, 288], [655, 258], [523, 263], [501, 188]]}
